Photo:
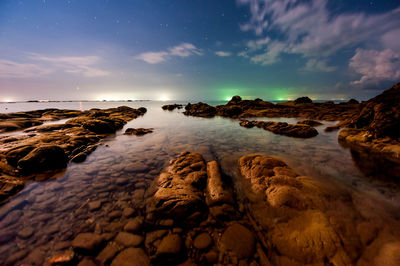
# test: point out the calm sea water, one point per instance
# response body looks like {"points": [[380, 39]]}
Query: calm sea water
{"points": [[52, 212]]}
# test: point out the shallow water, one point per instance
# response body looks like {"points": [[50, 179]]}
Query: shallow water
{"points": [[119, 170]]}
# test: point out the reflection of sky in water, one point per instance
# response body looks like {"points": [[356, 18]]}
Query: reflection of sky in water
{"points": [[54, 204]]}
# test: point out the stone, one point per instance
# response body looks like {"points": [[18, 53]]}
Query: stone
{"points": [[128, 212], [26, 232], [171, 107], [138, 131], [170, 245], [128, 239], [87, 262], [202, 241], [87, 242], [283, 128], [114, 214], [131, 257], [239, 240], [94, 205], [133, 225], [218, 191], [108, 253]]}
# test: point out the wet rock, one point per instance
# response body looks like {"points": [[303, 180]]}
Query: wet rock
{"points": [[128, 212], [87, 262], [87, 242], [114, 214], [26, 232], [202, 241], [80, 157], [94, 205], [108, 253], [43, 158], [218, 191], [63, 258], [283, 128], [17, 256], [133, 225], [174, 197], [308, 122], [138, 131], [239, 240], [170, 245], [131, 257], [246, 124], [128, 239], [332, 128], [211, 257], [200, 109], [171, 107]]}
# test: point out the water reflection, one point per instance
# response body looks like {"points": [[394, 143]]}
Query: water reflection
{"points": [[45, 216]]}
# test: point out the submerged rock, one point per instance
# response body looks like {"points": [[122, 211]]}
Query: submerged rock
{"points": [[171, 107], [283, 128], [131, 257], [239, 240]]}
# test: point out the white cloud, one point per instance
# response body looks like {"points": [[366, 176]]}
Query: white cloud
{"points": [[375, 66], [182, 50], [11, 69], [307, 28], [82, 65], [223, 53]]}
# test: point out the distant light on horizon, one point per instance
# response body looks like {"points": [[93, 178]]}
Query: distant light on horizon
{"points": [[164, 98]]}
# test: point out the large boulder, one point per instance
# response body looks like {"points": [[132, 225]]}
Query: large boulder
{"points": [[200, 109], [303, 100], [49, 157]]}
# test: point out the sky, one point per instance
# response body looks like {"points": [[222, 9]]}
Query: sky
{"points": [[197, 49]]}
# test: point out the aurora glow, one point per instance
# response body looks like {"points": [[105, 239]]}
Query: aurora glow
{"points": [[197, 50]]}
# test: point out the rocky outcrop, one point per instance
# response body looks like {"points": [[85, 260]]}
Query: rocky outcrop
{"points": [[311, 123], [51, 147], [200, 109], [303, 100], [171, 107], [376, 128], [283, 128], [301, 220]]}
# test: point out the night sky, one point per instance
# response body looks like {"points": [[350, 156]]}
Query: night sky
{"points": [[197, 49]]}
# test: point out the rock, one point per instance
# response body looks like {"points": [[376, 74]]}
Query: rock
{"points": [[353, 101], [138, 131], [200, 109], [128, 239], [108, 253], [94, 205], [283, 128], [43, 158], [218, 191], [133, 225], [87, 242], [131, 257], [239, 240], [114, 214], [235, 100], [87, 262], [80, 157], [202, 241], [246, 123], [332, 128], [26, 232], [171, 107], [174, 197], [302, 100], [170, 245], [63, 258], [308, 122], [128, 212], [211, 257]]}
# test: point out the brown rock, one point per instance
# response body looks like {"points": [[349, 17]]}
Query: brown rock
{"points": [[218, 191], [87, 241], [202, 241], [133, 225], [128, 239], [239, 240], [131, 257], [108, 253], [170, 245]]}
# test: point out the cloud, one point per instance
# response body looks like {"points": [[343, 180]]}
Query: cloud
{"points": [[223, 53], [307, 28], [182, 50], [11, 69], [375, 66], [82, 65], [315, 65]]}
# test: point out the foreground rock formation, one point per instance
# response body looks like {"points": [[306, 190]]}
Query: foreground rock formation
{"points": [[263, 214], [376, 128], [283, 128], [50, 147]]}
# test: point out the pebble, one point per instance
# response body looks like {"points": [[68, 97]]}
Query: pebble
{"points": [[134, 225], [87, 241], [171, 245], [115, 214], [128, 212], [239, 240], [94, 205], [108, 253]]}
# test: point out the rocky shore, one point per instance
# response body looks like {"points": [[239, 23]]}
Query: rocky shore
{"points": [[49, 148], [198, 213]]}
